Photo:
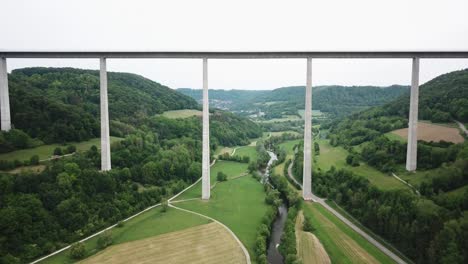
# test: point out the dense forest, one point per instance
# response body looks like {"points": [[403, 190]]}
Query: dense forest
{"points": [[430, 226], [336, 100], [157, 156], [62, 104]]}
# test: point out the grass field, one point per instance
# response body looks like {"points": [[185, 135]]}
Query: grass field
{"points": [[309, 248], [184, 113], [239, 204], [209, 243], [342, 244], [393, 136], [46, 151], [148, 224], [231, 168], [336, 156], [249, 151], [315, 113], [433, 132]]}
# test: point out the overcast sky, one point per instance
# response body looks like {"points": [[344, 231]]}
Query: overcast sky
{"points": [[136, 25]]}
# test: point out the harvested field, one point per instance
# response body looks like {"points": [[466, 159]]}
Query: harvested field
{"points": [[209, 243], [432, 132], [309, 248]]}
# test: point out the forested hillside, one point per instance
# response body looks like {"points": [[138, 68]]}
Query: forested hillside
{"points": [[62, 104], [336, 100], [71, 198], [430, 226]]}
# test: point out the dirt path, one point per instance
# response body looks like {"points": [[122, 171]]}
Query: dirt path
{"points": [[462, 127], [309, 248], [407, 183]]}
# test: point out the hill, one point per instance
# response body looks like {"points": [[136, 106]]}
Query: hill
{"points": [[442, 169], [62, 104], [335, 100]]}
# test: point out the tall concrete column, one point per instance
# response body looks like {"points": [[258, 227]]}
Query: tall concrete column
{"points": [[206, 136], [4, 96], [307, 173], [412, 148], [105, 140]]}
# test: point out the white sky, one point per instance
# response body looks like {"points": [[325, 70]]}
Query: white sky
{"points": [[176, 25]]}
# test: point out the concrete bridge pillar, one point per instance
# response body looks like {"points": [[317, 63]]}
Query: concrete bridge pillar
{"points": [[412, 148], [105, 139], [4, 96], [206, 136], [307, 173]]}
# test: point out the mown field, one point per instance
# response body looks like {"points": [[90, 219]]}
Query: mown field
{"points": [[230, 168], [433, 132], [309, 248], [209, 243], [184, 113], [342, 244], [46, 151], [249, 151], [149, 224], [239, 204]]}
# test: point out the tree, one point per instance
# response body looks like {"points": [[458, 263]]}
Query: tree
{"points": [[221, 176], [164, 205], [34, 160], [77, 250], [316, 148], [104, 240], [307, 226], [58, 151], [71, 149]]}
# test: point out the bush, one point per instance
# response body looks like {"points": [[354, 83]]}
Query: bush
{"points": [[307, 226], [104, 240], [221, 176], [58, 151], [71, 149], [77, 250], [164, 205], [34, 160], [120, 224]]}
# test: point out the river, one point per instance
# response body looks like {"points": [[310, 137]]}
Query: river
{"points": [[273, 254]]}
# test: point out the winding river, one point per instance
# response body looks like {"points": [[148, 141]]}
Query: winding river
{"points": [[273, 254]]}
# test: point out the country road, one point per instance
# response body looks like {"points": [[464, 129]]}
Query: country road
{"points": [[371, 240], [462, 127]]}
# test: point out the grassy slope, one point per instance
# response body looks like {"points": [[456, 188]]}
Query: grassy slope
{"points": [[45, 151], [231, 168], [342, 244], [239, 204], [150, 223], [248, 151], [336, 156], [184, 113]]}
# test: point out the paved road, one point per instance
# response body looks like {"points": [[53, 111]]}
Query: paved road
{"points": [[462, 127], [349, 223]]}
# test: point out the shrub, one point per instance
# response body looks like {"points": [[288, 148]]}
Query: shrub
{"points": [[34, 160], [164, 205], [104, 240], [58, 151], [307, 226], [77, 250], [120, 224], [221, 176], [71, 148]]}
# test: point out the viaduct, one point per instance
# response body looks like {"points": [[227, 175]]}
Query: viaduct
{"points": [[411, 156]]}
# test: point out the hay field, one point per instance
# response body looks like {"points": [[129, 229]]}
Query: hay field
{"points": [[432, 132], [209, 243], [309, 248]]}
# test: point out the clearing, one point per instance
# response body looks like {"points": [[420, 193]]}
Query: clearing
{"points": [[433, 132], [209, 243], [309, 248], [184, 113], [249, 151]]}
